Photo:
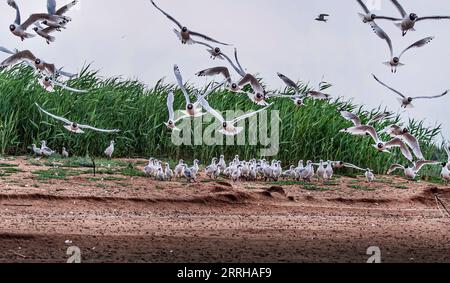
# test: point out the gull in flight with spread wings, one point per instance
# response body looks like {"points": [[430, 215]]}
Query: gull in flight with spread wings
{"points": [[73, 126]]}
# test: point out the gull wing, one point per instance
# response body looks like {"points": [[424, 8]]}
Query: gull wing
{"points": [[167, 15], [433, 18], [290, 83], [248, 115], [395, 167], [13, 4], [193, 33], [61, 11], [388, 87], [98, 130], [170, 99], [418, 44], [413, 143], [363, 131], [212, 111], [253, 82], [179, 78], [25, 55], [364, 7], [51, 7], [419, 164], [431, 97], [383, 35], [216, 71], [397, 142], [399, 8], [447, 150], [37, 17], [64, 120], [63, 86], [351, 117]]}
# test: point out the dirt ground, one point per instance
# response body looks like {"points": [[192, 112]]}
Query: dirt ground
{"points": [[124, 217]]}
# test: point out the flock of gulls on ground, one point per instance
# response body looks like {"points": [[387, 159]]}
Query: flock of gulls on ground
{"points": [[45, 24]]}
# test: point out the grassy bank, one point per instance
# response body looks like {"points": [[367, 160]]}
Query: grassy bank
{"points": [[311, 132]]}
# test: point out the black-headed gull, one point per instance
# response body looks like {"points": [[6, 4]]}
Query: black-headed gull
{"points": [[368, 16], [192, 109], [394, 61], [184, 34], [409, 21], [411, 172], [171, 123], [396, 131], [73, 126], [228, 127], [109, 151], [19, 29], [405, 101]]}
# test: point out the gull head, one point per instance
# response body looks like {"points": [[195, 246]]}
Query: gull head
{"points": [[380, 146], [190, 106], [45, 22], [259, 96], [217, 50], [35, 29], [225, 125], [37, 61], [409, 99], [12, 27], [413, 16], [184, 29], [373, 16], [444, 164], [405, 131], [396, 60]]}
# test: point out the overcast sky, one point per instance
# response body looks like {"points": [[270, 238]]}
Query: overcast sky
{"points": [[132, 39]]}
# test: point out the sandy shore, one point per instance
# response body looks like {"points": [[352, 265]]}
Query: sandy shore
{"points": [[117, 218]]}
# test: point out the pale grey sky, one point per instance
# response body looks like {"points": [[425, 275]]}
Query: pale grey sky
{"points": [[133, 40]]}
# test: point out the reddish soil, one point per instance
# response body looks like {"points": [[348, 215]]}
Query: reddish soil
{"points": [[136, 219]]}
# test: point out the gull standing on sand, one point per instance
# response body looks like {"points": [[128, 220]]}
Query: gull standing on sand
{"points": [[370, 177], [179, 169], [73, 126], [64, 153], [394, 61], [184, 34], [406, 102], [45, 150], [409, 21], [110, 150]]}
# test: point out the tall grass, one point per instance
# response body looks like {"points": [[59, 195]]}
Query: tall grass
{"points": [[310, 132]]}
